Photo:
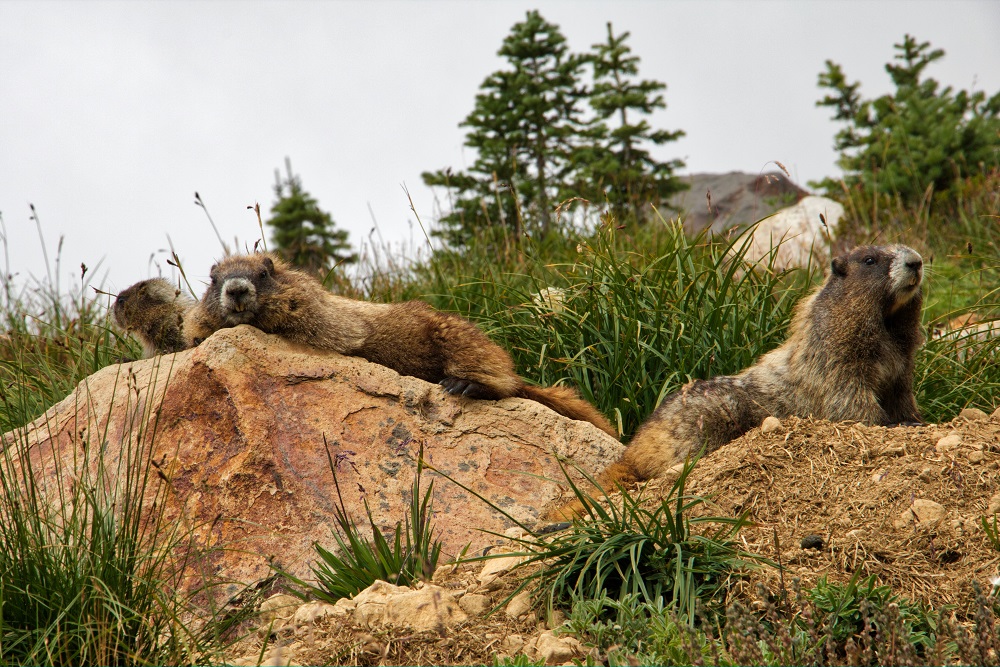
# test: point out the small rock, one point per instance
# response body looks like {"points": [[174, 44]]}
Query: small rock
{"points": [[430, 608], [973, 415], [512, 644], [519, 605], [995, 416], [494, 567], [994, 506], [310, 612], [879, 475], [557, 650], [927, 474], [770, 425], [922, 511], [275, 610], [474, 604], [443, 572], [812, 542], [948, 443], [976, 456]]}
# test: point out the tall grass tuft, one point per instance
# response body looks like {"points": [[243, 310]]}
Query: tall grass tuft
{"points": [[50, 341], [630, 315], [408, 555], [88, 573]]}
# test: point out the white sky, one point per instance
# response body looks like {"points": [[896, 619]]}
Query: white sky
{"points": [[112, 114]]}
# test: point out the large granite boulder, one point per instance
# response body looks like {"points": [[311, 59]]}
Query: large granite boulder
{"points": [[799, 235], [238, 427]]}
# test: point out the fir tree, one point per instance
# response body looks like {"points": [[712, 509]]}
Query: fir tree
{"points": [[617, 167], [524, 126], [304, 235], [921, 137]]}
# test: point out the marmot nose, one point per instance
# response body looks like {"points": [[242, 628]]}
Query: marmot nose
{"points": [[915, 264], [237, 291]]}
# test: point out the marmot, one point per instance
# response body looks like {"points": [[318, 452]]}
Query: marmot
{"points": [[849, 356], [154, 310], [410, 337]]}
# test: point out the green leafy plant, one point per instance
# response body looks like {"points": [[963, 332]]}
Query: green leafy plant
{"points": [[631, 631], [407, 555], [843, 608]]}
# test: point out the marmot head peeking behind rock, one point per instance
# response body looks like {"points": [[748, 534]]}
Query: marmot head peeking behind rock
{"points": [[154, 310]]}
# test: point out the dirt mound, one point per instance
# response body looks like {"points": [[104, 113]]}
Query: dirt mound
{"points": [[903, 503]]}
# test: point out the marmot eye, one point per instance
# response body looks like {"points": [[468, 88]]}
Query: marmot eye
{"points": [[262, 274], [870, 261]]}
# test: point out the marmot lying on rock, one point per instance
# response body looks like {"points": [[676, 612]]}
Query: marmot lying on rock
{"points": [[849, 356], [411, 337]]}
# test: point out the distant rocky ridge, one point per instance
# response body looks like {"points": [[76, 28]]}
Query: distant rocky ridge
{"points": [[721, 201]]}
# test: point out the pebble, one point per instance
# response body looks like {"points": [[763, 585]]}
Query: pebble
{"points": [[812, 542], [474, 605], [976, 457], [770, 425], [927, 474], [994, 506], [519, 605], [922, 511], [973, 415], [948, 443]]}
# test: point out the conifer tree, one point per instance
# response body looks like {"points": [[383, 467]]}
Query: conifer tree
{"points": [[617, 167], [304, 235], [524, 127], [921, 136]]}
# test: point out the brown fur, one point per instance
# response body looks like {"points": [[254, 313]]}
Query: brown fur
{"points": [[411, 337], [154, 310], [849, 356]]}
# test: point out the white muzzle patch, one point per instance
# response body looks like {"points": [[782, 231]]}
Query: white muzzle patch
{"points": [[905, 273], [239, 298]]}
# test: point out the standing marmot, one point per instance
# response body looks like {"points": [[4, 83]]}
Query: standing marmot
{"points": [[410, 338], [849, 357], [154, 310]]}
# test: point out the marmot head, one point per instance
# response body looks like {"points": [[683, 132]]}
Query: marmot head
{"points": [[237, 284], [895, 271], [132, 302]]}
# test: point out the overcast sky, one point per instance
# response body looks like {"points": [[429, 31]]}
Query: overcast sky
{"points": [[115, 113]]}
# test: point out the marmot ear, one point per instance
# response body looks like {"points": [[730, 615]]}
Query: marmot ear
{"points": [[214, 272], [269, 265], [839, 265]]}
